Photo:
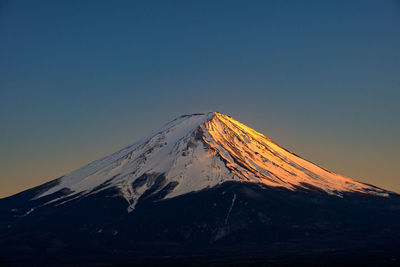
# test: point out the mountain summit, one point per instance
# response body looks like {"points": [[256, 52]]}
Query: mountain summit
{"points": [[203, 189], [199, 151]]}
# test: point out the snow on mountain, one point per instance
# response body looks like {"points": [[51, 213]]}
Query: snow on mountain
{"points": [[199, 151]]}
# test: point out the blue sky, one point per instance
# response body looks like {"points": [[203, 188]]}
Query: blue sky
{"points": [[81, 79]]}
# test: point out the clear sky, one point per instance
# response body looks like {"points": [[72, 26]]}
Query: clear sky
{"points": [[82, 79]]}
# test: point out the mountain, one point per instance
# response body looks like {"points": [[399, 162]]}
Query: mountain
{"points": [[204, 188]]}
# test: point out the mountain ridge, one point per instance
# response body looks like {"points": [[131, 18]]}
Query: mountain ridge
{"points": [[199, 151]]}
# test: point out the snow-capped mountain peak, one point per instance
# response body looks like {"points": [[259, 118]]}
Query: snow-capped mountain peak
{"points": [[199, 151]]}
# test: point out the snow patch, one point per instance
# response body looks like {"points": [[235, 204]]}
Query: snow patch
{"points": [[200, 151]]}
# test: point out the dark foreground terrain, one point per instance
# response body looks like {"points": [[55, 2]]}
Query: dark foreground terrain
{"points": [[235, 223]]}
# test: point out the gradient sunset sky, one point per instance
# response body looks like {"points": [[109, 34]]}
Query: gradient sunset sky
{"points": [[82, 79]]}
